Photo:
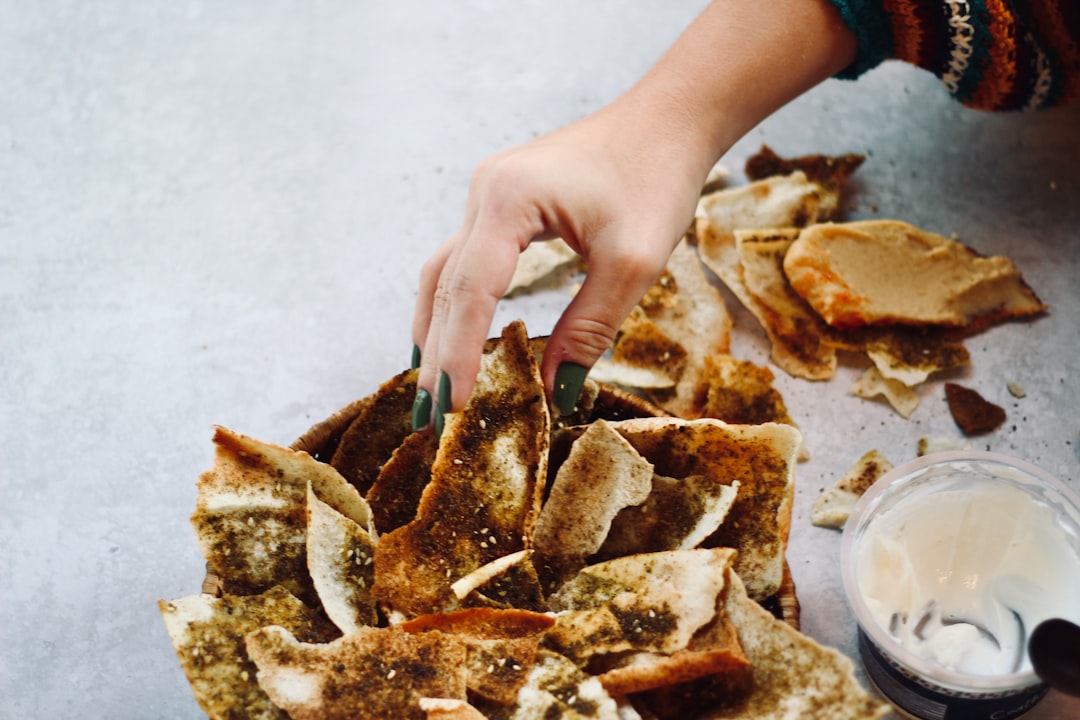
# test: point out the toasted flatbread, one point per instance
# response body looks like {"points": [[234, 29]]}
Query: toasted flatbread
{"points": [[830, 171], [789, 201], [872, 384], [250, 517], [395, 495], [377, 430], [885, 271], [797, 334], [643, 347], [678, 514], [713, 650], [486, 486], [761, 458], [691, 312], [208, 636], [651, 602], [543, 263], [835, 504], [791, 675], [341, 562], [501, 647], [911, 354], [602, 475], [374, 673], [742, 393], [556, 688]]}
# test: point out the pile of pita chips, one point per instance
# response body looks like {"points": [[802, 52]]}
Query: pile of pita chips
{"points": [[515, 590], [902, 297]]}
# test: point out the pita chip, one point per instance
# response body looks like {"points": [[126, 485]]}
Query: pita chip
{"points": [[208, 636], [872, 383], [773, 202], [691, 312], [250, 516], [761, 458], [374, 673], [835, 504], [652, 602], [543, 261], [340, 560], [797, 334], [791, 675], [602, 475], [679, 514], [485, 492]]}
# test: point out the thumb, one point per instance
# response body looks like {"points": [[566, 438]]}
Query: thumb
{"points": [[612, 287]]}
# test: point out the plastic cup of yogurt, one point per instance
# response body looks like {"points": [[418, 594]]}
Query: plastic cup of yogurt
{"points": [[949, 562]]}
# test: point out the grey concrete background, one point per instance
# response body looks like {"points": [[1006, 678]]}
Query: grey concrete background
{"points": [[215, 213]]}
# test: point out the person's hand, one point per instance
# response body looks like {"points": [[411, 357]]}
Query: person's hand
{"points": [[621, 202], [619, 187]]}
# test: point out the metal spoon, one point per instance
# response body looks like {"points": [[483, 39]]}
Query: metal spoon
{"points": [[1054, 647]]}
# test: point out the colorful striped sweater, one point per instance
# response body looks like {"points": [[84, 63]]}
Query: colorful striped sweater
{"points": [[989, 54]]}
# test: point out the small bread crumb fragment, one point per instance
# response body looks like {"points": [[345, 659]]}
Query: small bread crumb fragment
{"points": [[971, 411], [1016, 391]]}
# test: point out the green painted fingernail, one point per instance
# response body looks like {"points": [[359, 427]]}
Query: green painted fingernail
{"points": [[415, 357], [569, 379], [442, 405], [421, 409]]}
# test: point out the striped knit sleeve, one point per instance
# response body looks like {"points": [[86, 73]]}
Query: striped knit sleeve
{"points": [[989, 54]]}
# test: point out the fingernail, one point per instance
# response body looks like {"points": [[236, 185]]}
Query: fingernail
{"points": [[421, 409], [442, 406], [569, 379], [415, 357]]}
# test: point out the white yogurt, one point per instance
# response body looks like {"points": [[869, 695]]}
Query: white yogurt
{"points": [[960, 570]]}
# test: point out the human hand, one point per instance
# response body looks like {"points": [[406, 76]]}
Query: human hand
{"points": [[621, 203]]}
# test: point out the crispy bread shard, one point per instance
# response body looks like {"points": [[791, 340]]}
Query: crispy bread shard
{"points": [[651, 602], [543, 262], [790, 675], [973, 413], [501, 647], [555, 688], [713, 650], [911, 354], [602, 475], [678, 514], [395, 495], [377, 430], [742, 393], [208, 636], [486, 486], [835, 504], [773, 202], [799, 337], [250, 516], [341, 562], [872, 383], [375, 673], [830, 171], [643, 356], [690, 312], [761, 458], [886, 271]]}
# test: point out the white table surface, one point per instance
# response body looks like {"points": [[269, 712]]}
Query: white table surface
{"points": [[215, 213]]}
